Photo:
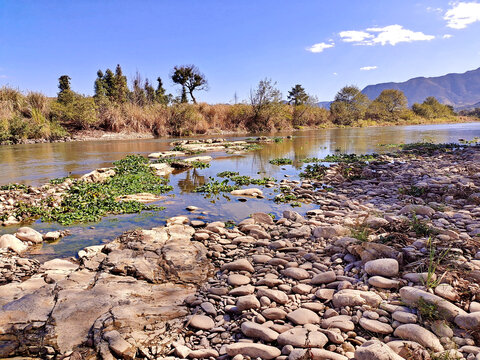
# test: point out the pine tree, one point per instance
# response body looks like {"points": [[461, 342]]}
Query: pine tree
{"points": [[297, 96], [160, 96], [100, 90], [109, 84], [65, 95], [120, 86], [149, 92]]}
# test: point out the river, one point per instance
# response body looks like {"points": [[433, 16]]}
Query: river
{"points": [[35, 164]]}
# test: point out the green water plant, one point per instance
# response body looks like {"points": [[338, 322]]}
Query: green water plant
{"points": [[228, 174], [314, 171], [215, 187], [281, 161]]}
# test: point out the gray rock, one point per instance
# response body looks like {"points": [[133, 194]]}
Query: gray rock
{"points": [[382, 267], [247, 302], [375, 326], [301, 337], [202, 322], [324, 278], [239, 265], [28, 234], [375, 350], [258, 331]]}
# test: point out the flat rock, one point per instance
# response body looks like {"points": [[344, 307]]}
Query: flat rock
{"points": [[296, 273], [301, 337], [247, 192], [274, 314], [375, 350], [275, 295], [469, 321], [253, 350], [350, 297], [375, 326], [247, 302], [238, 280], [342, 322], [383, 283], [315, 354], [324, 278], [239, 265], [414, 332], [417, 209], [258, 331], [303, 316], [411, 296], [9, 241], [202, 322]]}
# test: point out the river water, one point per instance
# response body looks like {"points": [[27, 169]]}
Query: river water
{"points": [[35, 164]]}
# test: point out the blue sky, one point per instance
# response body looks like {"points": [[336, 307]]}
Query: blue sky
{"points": [[322, 45]]}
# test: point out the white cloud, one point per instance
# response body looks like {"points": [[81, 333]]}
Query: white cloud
{"points": [[318, 48], [392, 34], [367, 68], [434, 10], [354, 36], [335, 74], [462, 14], [447, 36]]}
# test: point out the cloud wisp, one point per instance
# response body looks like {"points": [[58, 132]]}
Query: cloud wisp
{"points": [[462, 14], [318, 48], [391, 34], [368, 68]]}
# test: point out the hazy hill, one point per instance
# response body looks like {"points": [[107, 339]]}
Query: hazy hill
{"points": [[460, 90]]}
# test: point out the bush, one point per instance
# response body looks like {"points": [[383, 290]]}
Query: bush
{"points": [[80, 113], [184, 119]]}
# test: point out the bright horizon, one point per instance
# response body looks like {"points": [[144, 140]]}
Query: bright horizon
{"points": [[323, 47]]}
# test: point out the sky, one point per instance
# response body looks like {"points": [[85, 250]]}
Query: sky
{"points": [[322, 45]]}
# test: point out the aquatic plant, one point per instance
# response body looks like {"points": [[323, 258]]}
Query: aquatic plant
{"points": [[281, 161], [228, 174], [200, 164], [314, 171], [215, 187]]}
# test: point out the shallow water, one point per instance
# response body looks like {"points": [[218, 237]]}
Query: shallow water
{"points": [[37, 163]]}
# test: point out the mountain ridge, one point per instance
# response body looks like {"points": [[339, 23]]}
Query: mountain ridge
{"points": [[461, 90]]}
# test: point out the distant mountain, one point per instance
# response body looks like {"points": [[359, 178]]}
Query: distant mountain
{"points": [[324, 104], [462, 91]]}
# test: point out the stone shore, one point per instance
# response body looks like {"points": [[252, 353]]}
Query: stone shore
{"points": [[387, 267]]}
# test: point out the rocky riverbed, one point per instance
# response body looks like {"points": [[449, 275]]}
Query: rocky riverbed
{"points": [[387, 267]]}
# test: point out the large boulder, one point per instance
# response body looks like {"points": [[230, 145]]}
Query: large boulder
{"points": [[9, 241], [28, 234]]}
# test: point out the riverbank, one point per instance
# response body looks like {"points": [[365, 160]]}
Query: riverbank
{"points": [[386, 266], [125, 134]]}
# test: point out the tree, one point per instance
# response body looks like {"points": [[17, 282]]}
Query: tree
{"points": [[191, 79], [431, 108], [109, 83], [297, 96], [263, 101], [350, 105], [160, 95], [389, 105], [65, 95], [120, 87], [99, 87], [138, 94], [149, 92]]}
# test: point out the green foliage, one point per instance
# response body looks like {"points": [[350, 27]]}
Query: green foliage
{"points": [[88, 202], [285, 198], [228, 174], [80, 113], [65, 95], [190, 78], [349, 106], [314, 171], [431, 108], [247, 180], [428, 311], [265, 101], [388, 106], [281, 161], [349, 158], [297, 96], [434, 260], [160, 95], [420, 227], [58, 180], [200, 164], [14, 187], [412, 191], [277, 139], [215, 187]]}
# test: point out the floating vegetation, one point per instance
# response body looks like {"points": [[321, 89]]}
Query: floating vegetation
{"points": [[314, 171], [278, 139], [311, 160], [285, 198], [252, 147], [281, 161], [215, 187], [247, 180], [228, 174], [474, 141], [14, 187], [58, 181], [429, 147], [349, 158], [89, 202], [200, 164]]}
